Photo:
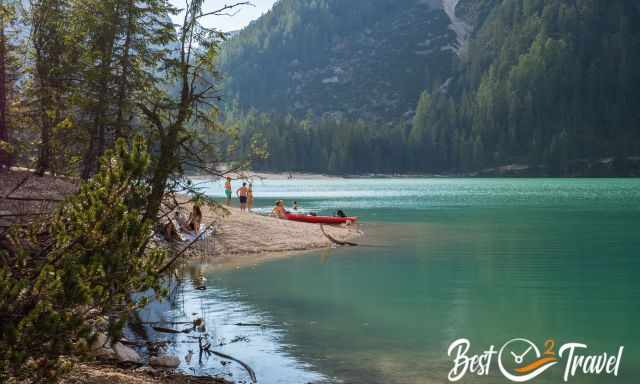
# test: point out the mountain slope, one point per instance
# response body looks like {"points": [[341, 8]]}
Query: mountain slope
{"points": [[360, 59], [550, 85], [542, 82]]}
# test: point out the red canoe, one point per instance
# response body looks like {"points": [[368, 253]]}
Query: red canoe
{"points": [[321, 219]]}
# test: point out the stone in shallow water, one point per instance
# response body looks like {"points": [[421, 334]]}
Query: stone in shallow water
{"points": [[165, 361], [125, 353]]}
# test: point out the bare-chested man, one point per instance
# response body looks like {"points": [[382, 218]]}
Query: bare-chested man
{"points": [[242, 193]]}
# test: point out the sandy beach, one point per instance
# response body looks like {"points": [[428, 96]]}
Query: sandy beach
{"points": [[240, 237], [245, 238]]}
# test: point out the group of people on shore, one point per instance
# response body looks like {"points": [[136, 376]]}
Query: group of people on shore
{"points": [[179, 225], [244, 194]]}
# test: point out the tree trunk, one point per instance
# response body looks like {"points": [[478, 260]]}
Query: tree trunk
{"points": [[169, 147], [98, 140], [122, 128], [47, 56], [5, 158]]}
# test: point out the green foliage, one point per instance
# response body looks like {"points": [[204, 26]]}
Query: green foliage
{"points": [[322, 145], [60, 277], [367, 58], [88, 63], [535, 76], [545, 83]]}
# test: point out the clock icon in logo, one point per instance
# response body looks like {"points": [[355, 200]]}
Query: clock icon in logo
{"points": [[520, 360]]}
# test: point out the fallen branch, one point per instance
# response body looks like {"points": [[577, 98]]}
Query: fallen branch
{"points": [[24, 214], [171, 330], [335, 241], [206, 348], [47, 200], [20, 184], [252, 374], [166, 322], [249, 325]]}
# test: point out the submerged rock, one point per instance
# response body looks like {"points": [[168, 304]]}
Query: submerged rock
{"points": [[164, 362]]}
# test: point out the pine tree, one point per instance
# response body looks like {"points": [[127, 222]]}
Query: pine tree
{"points": [[94, 255]]}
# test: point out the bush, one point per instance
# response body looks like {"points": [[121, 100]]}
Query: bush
{"points": [[60, 276]]}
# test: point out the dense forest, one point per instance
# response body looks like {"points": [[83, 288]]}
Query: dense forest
{"points": [[365, 59], [549, 84]]}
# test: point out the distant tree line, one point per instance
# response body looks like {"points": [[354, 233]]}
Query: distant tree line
{"points": [[324, 144]]}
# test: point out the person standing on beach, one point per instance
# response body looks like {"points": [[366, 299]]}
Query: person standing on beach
{"points": [[250, 197], [228, 190], [242, 193]]}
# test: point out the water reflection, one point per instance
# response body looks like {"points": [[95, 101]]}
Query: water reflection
{"points": [[230, 326]]}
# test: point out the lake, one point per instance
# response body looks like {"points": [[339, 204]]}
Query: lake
{"points": [[484, 259]]}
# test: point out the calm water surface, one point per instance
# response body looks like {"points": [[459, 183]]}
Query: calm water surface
{"points": [[484, 259]]}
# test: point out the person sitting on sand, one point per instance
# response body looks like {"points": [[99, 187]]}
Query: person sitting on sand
{"points": [[228, 190], [250, 197], [279, 211], [169, 231], [242, 193], [181, 221], [195, 220]]}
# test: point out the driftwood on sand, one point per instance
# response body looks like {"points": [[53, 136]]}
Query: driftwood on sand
{"points": [[336, 241]]}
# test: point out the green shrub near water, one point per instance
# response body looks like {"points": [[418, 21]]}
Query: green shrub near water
{"points": [[58, 277]]}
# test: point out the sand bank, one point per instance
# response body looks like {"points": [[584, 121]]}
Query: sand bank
{"points": [[244, 238], [241, 238]]}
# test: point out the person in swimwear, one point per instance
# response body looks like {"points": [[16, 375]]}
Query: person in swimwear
{"points": [[250, 197], [227, 190], [279, 211], [242, 193]]}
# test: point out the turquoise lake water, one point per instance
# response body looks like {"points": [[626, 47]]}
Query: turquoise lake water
{"points": [[484, 259]]}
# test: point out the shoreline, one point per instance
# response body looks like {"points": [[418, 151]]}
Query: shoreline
{"points": [[245, 238], [265, 175], [604, 167], [241, 240]]}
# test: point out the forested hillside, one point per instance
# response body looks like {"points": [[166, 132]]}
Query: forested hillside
{"points": [[360, 59], [543, 82], [549, 84]]}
